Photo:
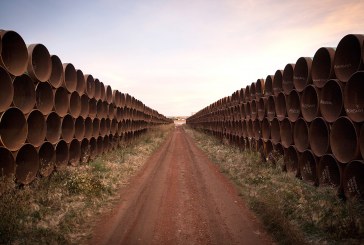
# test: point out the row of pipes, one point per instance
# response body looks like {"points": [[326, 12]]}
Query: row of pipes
{"points": [[52, 114], [311, 112]]}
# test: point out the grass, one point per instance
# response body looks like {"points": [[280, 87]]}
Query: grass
{"points": [[63, 208], [293, 211]]}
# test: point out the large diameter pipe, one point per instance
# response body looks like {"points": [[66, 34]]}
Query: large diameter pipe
{"points": [[95, 127], [259, 88], [116, 98], [328, 172], [61, 101], [27, 164], [280, 104], [93, 147], [287, 79], [57, 75], [24, 93], [353, 180], [322, 68], [47, 157], [90, 86], [74, 152], [106, 144], [74, 104], [277, 82], [319, 137], [102, 91], [331, 102], [290, 159], [97, 94], [353, 97], [293, 106], [37, 128], [85, 151], [252, 91], [70, 77], [39, 63], [62, 155], [348, 56], [44, 98], [6, 90], [68, 128], [286, 131], [344, 140], [257, 129], [253, 109], [268, 86], [301, 135], [92, 108], [103, 127], [7, 165], [266, 129], [14, 53], [122, 100], [271, 108], [246, 95], [275, 132], [79, 128], [13, 129], [247, 109], [262, 108], [88, 128], [54, 127], [109, 97], [308, 165], [302, 73], [84, 106], [81, 83], [100, 113], [310, 103]]}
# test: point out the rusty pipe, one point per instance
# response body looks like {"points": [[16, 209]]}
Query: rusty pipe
{"points": [[116, 98], [103, 127], [286, 131], [344, 140], [353, 180], [257, 129], [27, 164], [100, 145], [81, 83], [95, 127], [61, 101], [293, 107], [331, 101], [253, 109], [106, 144], [54, 127], [268, 85], [259, 88], [353, 97], [47, 157], [97, 94], [290, 159], [88, 128], [319, 137], [62, 155], [93, 147], [266, 129], [275, 133], [300, 135], [84, 106], [79, 128], [70, 77], [280, 104], [262, 108], [322, 68], [13, 129], [74, 104], [348, 56], [287, 79], [68, 128], [92, 108], [85, 151], [252, 91], [247, 93], [44, 98], [328, 172], [37, 128], [7, 164], [102, 91], [39, 63], [310, 103], [6, 90], [14, 53], [57, 74], [302, 73], [74, 152], [308, 166], [90, 86], [24, 93], [271, 108], [108, 94], [100, 113], [277, 82]]}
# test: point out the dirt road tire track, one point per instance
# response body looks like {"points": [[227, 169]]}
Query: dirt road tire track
{"points": [[180, 197]]}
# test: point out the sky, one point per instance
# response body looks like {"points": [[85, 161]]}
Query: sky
{"points": [[179, 56]]}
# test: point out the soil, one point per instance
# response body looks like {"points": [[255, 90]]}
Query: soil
{"points": [[180, 197]]}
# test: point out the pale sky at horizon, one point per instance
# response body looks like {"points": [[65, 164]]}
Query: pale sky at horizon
{"points": [[179, 56]]}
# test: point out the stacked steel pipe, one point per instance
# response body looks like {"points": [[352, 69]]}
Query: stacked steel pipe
{"points": [[312, 112], [52, 115]]}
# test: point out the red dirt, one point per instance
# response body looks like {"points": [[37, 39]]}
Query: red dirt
{"points": [[180, 197]]}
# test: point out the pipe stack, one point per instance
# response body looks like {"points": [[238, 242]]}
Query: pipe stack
{"points": [[52, 115], [312, 112]]}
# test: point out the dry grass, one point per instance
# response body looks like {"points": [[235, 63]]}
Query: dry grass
{"points": [[63, 208], [293, 211]]}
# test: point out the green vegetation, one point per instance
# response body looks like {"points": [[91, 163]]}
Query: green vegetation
{"points": [[63, 208], [293, 211]]}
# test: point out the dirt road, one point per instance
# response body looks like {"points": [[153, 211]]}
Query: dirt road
{"points": [[180, 197]]}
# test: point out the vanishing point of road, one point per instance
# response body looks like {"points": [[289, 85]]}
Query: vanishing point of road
{"points": [[180, 197]]}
